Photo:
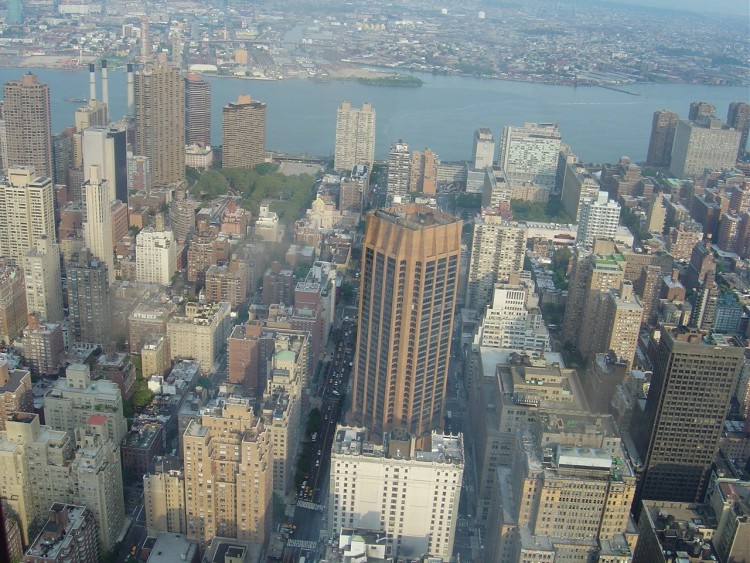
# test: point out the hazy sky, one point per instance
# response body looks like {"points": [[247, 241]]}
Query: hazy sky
{"points": [[734, 7]]}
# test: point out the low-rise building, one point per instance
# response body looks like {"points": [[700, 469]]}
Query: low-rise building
{"points": [[145, 440]]}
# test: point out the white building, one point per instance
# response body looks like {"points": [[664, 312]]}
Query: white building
{"points": [[483, 154], [497, 252], [599, 219], [97, 229], [530, 153], [355, 136], [41, 274], [513, 321], [106, 148], [155, 256], [701, 145], [399, 171], [199, 157], [410, 495]]}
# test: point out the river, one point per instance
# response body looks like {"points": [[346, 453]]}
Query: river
{"points": [[600, 125]]}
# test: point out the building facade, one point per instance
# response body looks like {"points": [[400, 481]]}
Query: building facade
{"points": [[355, 136], [243, 133], [155, 256], [28, 125]]}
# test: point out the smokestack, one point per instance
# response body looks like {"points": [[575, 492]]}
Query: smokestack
{"points": [[92, 82], [105, 88], [131, 92]]}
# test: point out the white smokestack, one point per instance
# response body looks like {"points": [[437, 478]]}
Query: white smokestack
{"points": [[92, 82], [105, 87], [131, 91]]}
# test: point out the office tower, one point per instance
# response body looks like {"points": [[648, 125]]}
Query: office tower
{"points": [[599, 219], [243, 133], [164, 496], [106, 148], [41, 266], [69, 534], [678, 434], [408, 287], [700, 145], [423, 173], [15, 12], [43, 346], [738, 117], [592, 271], [355, 136], [197, 111], [562, 500], [530, 153], [578, 185], [483, 154], [88, 299], [97, 228], [13, 309], [228, 482], [663, 128], [75, 398], [28, 127], [15, 392], [26, 212], [399, 168], [617, 324], [160, 122], [497, 251], [701, 109], [513, 321], [199, 333], [155, 256], [420, 515]]}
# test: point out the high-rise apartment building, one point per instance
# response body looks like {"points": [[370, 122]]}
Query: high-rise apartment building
{"points": [[28, 125], [701, 109], [75, 398], [663, 128], [738, 117], [15, 392], [13, 309], [423, 173], [578, 185], [409, 494], [677, 435], [197, 111], [698, 145], [97, 228], [155, 256], [88, 299], [243, 133], [483, 153], [41, 267], [106, 148], [497, 252], [26, 212], [399, 169], [409, 281], [164, 496], [599, 219], [199, 333], [228, 474], [355, 136], [617, 324], [43, 346], [160, 122], [69, 534], [530, 153]]}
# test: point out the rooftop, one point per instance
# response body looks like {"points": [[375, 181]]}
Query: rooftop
{"points": [[414, 217], [58, 531], [166, 547]]}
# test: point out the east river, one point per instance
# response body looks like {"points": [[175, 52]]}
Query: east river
{"points": [[600, 125]]}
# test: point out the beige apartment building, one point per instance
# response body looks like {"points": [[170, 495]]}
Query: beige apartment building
{"points": [[355, 136], [41, 269], [228, 474], [243, 133], [164, 497], [26, 110], [199, 333]]}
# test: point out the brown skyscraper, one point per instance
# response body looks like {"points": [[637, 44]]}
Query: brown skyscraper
{"points": [[410, 263], [197, 111], [160, 122], [662, 136], [701, 109], [27, 121], [244, 133], [738, 117]]}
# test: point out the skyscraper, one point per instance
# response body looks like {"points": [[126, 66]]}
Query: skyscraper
{"points": [[678, 435], [26, 211], [738, 117], [399, 168], [106, 148], [28, 127], [497, 251], [530, 153], [160, 122], [408, 287], [355, 136], [243, 133], [663, 127], [706, 143], [41, 266], [599, 219], [97, 228], [88, 299], [197, 111], [483, 154], [701, 109]]}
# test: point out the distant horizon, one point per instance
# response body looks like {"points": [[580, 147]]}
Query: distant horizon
{"points": [[718, 7]]}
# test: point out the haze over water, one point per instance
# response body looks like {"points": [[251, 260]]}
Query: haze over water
{"points": [[600, 125]]}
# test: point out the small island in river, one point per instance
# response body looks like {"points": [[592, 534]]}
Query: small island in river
{"points": [[405, 80]]}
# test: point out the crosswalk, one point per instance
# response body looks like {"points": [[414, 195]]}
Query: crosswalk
{"points": [[310, 505], [303, 544]]}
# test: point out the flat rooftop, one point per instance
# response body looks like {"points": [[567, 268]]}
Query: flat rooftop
{"points": [[414, 217]]}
